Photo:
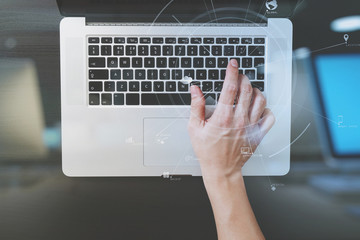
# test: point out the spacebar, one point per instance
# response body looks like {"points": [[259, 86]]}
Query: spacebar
{"points": [[166, 99]]}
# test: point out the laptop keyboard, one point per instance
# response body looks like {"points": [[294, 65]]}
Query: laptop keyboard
{"points": [[155, 70]]}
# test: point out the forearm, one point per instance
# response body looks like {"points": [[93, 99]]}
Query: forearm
{"points": [[233, 214]]}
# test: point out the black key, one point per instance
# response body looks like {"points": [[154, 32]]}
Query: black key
{"points": [[222, 74], [132, 99], [246, 62], [197, 83], [196, 40], [201, 74], [134, 86], [124, 62], [208, 40], [158, 87], [210, 62], [222, 62], [207, 86], [106, 50], [118, 50], [152, 74], [171, 86], [183, 87], [158, 40], [146, 86], [131, 50], [198, 62], [237, 59], [106, 40], [204, 50], [213, 74], [95, 86], [98, 74], [121, 86], [240, 50], [250, 74], [218, 86], [119, 40], [132, 40], [186, 62], [109, 86], [143, 50], [260, 75], [258, 62], [168, 50], [259, 40], [112, 62], [256, 51], [228, 50], [221, 40], [234, 40], [155, 50], [241, 71], [259, 85], [176, 74], [246, 41], [93, 50], [106, 99], [149, 62], [174, 62], [137, 62], [170, 40], [161, 62], [94, 99], [165, 74], [119, 99], [140, 74], [210, 99], [183, 40], [189, 73], [95, 62], [166, 99], [145, 40], [93, 40], [128, 74], [216, 50], [180, 50], [192, 50]]}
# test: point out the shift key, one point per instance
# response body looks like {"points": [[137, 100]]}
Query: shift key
{"points": [[98, 74]]}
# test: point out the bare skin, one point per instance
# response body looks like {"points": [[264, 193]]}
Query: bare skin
{"points": [[218, 142]]}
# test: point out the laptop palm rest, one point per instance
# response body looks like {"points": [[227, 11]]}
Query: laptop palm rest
{"points": [[167, 143]]}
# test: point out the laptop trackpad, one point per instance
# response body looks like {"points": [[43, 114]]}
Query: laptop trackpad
{"points": [[167, 143]]}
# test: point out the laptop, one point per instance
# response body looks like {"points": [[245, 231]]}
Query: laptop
{"points": [[126, 70]]}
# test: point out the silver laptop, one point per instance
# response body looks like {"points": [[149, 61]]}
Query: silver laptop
{"points": [[125, 71]]}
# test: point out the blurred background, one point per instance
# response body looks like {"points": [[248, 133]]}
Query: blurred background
{"points": [[314, 201]]}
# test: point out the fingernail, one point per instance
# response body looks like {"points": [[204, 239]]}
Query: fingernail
{"points": [[193, 91], [234, 63]]}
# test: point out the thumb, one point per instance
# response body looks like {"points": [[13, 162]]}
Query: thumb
{"points": [[197, 114]]}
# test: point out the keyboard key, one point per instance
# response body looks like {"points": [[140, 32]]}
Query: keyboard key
{"points": [[168, 50], [183, 87], [222, 62], [241, 50], [115, 74], [198, 62], [259, 85], [149, 62], [192, 50], [93, 40], [98, 74], [146, 86], [121, 86], [134, 86], [109, 86], [165, 74], [210, 62], [96, 62], [201, 74], [118, 50], [208, 40], [158, 87], [241, 71], [256, 51], [210, 99], [124, 62], [93, 50], [216, 50], [246, 40], [218, 86], [176, 74], [204, 50], [228, 50], [119, 99], [95, 86], [94, 99], [171, 86], [197, 83], [180, 50], [132, 99], [221, 40], [186, 62], [207, 86], [183, 40], [259, 62], [136, 62], [246, 62], [222, 74], [170, 40], [140, 74], [145, 40], [106, 40], [213, 74], [132, 40], [106, 50], [158, 40], [234, 40], [237, 59], [128, 74], [189, 73], [174, 62], [259, 40], [155, 50], [161, 62], [119, 40], [106, 99], [196, 40], [166, 99], [152, 74], [143, 50], [131, 50], [250, 74], [112, 62]]}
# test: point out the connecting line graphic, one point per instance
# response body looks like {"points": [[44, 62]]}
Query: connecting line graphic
{"points": [[176, 19], [157, 16], [247, 10], [328, 47], [315, 113], [207, 9], [212, 4]]}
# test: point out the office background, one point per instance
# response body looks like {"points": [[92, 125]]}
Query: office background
{"points": [[38, 202]]}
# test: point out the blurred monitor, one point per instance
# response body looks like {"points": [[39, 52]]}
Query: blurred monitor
{"points": [[21, 114]]}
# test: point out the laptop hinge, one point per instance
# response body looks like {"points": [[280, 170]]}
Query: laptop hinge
{"points": [[177, 24]]}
